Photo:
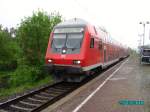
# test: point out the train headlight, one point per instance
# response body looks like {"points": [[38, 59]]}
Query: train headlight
{"points": [[49, 60], [64, 51], [76, 62]]}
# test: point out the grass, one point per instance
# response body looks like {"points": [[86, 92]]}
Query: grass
{"points": [[5, 92], [22, 79]]}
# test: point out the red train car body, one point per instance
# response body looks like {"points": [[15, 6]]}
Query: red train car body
{"points": [[76, 48]]}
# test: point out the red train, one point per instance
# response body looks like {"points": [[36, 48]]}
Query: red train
{"points": [[76, 49]]}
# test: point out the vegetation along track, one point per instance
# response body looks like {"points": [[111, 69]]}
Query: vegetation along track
{"points": [[39, 99]]}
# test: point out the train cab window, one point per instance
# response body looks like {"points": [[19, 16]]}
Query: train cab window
{"points": [[92, 43], [146, 52]]}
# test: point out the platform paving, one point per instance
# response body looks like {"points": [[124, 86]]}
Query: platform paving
{"points": [[130, 82]]}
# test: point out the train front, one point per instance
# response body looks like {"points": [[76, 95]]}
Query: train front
{"points": [[65, 52], [145, 54]]}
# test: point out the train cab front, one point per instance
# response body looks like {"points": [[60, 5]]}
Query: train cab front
{"points": [[65, 52], [145, 56]]}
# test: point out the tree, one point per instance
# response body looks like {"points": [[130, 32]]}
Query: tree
{"points": [[33, 35], [8, 49], [13, 32]]}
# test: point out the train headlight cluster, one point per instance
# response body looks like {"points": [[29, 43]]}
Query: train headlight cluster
{"points": [[76, 62]]}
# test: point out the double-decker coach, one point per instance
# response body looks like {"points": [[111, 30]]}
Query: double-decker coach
{"points": [[76, 49]]}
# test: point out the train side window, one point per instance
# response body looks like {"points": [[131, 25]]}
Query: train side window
{"points": [[100, 45], [92, 43]]}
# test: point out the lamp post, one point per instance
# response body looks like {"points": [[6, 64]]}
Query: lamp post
{"points": [[144, 24]]}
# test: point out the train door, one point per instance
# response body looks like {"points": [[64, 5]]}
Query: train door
{"points": [[104, 54], [101, 50]]}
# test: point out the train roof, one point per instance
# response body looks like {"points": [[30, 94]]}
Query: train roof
{"points": [[76, 22]]}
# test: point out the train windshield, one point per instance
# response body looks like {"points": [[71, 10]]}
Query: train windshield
{"points": [[59, 40], [74, 40], [146, 52], [67, 38]]}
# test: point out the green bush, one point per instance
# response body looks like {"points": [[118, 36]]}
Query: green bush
{"points": [[8, 66], [25, 74], [4, 79]]}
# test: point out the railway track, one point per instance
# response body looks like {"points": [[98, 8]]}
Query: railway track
{"points": [[39, 99]]}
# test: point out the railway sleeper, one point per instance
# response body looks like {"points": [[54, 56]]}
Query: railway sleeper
{"points": [[55, 92], [21, 108], [45, 93], [41, 96], [61, 89], [2, 110], [33, 99], [31, 104]]}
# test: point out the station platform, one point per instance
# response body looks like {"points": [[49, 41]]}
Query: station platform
{"points": [[126, 81]]}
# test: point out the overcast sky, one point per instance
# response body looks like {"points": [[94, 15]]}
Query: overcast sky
{"points": [[120, 17]]}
